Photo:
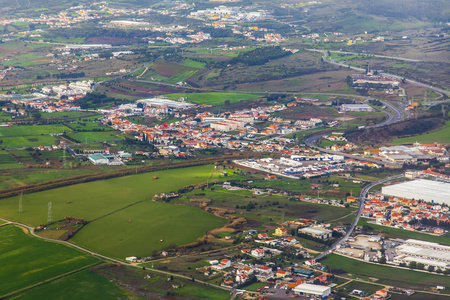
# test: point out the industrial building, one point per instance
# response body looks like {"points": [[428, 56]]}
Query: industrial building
{"points": [[160, 102], [426, 253], [306, 289], [421, 189], [356, 107], [316, 232]]}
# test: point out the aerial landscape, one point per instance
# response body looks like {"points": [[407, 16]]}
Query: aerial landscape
{"points": [[225, 149]]}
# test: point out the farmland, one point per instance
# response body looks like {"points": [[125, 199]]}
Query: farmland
{"points": [[145, 227], [96, 136], [386, 275], [24, 259], [83, 285], [213, 98], [95, 199]]}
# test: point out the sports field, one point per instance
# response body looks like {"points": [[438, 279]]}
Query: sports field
{"points": [[95, 199], [385, 275], [145, 227], [213, 98], [25, 260], [82, 285]]}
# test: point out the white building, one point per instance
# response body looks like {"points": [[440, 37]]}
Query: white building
{"points": [[356, 107], [316, 232], [421, 189], [308, 290]]}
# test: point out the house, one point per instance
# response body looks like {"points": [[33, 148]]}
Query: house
{"points": [[280, 231], [281, 274], [350, 199], [381, 293], [223, 264], [258, 253]]}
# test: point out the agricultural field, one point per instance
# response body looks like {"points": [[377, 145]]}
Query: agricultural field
{"points": [[171, 72], [385, 275], [15, 131], [96, 199], [96, 136], [146, 227], [441, 136], [83, 285], [362, 286], [25, 259], [7, 161], [28, 141], [213, 98]]}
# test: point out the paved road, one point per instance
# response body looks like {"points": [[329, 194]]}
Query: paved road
{"points": [[424, 85], [362, 199], [31, 230]]}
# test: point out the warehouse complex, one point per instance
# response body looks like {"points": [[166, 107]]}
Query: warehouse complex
{"points": [[421, 189], [426, 253]]}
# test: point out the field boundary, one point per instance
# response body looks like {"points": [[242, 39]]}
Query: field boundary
{"points": [[49, 280]]}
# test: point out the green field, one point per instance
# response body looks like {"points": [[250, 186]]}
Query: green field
{"points": [[26, 260], [7, 161], [95, 199], [151, 222], [213, 98], [96, 136], [32, 130], [440, 136], [362, 286], [28, 141], [82, 285], [386, 275]]}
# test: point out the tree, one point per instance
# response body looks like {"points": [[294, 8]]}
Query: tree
{"points": [[430, 268], [36, 115], [420, 266], [412, 265], [382, 260]]}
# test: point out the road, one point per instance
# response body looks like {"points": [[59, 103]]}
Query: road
{"points": [[31, 230], [362, 199], [427, 86]]}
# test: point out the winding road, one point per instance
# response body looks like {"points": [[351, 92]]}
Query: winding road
{"points": [[362, 199]]}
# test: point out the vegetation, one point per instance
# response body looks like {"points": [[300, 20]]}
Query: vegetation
{"points": [[214, 98], [25, 259]]}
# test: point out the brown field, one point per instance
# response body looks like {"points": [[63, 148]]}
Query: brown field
{"points": [[42, 60], [169, 69]]}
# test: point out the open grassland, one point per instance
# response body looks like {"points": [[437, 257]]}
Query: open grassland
{"points": [[213, 98], [440, 136], [400, 233], [145, 227], [26, 260], [96, 136], [32, 130], [362, 286], [83, 285], [27, 141], [95, 199], [385, 275]]}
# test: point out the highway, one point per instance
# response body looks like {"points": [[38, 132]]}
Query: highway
{"points": [[346, 65], [362, 199]]}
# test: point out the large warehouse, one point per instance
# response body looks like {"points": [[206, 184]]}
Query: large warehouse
{"points": [[421, 189]]}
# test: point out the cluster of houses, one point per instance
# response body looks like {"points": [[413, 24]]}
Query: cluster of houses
{"points": [[403, 213], [410, 154]]}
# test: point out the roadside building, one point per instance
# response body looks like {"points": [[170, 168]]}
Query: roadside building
{"points": [[306, 289], [319, 233]]}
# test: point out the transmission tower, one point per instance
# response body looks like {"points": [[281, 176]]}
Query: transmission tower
{"points": [[64, 157], [49, 214], [20, 203]]}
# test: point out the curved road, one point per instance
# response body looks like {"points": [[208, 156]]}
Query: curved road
{"points": [[362, 199], [31, 230]]}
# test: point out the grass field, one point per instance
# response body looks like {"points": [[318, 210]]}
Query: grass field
{"points": [[25, 260], [28, 141], [32, 130], [96, 136], [82, 285], [400, 233], [440, 136], [213, 98], [151, 222], [95, 199], [386, 275]]}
